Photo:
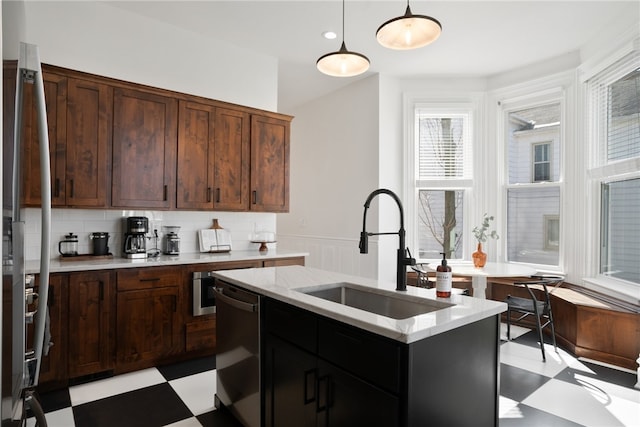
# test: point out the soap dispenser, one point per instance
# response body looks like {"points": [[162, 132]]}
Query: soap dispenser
{"points": [[443, 278]]}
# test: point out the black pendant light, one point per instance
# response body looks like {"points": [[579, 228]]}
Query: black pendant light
{"points": [[343, 63], [408, 31]]}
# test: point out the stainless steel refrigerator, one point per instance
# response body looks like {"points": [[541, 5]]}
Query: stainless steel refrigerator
{"points": [[20, 360]]}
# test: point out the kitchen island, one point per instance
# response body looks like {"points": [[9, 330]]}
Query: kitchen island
{"points": [[327, 363]]}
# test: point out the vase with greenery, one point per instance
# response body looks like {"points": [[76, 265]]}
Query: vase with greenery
{"points": [[481, 234]]}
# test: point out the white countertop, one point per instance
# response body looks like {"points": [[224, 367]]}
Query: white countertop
{"points": [[281, 283], [56, 266]]}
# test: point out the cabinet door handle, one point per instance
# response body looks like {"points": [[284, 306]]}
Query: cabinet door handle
{"points": [[208, 194], [218, 195], [71, 189], [51, 296], [56, 189], [254, 197], [152, 279], [326, 380], [310, 378], [164, 193], [101, 290]]}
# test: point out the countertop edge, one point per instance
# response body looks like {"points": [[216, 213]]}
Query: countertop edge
{"points": [[279, 283], [56, 266]]}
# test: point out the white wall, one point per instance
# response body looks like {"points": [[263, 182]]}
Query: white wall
{"points": [[334, 167], [94, 37]]}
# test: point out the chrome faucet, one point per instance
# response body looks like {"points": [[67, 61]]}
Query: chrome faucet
{"points": [[402, 260]]}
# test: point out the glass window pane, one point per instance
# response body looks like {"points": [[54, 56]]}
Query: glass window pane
{"points": [[440, 226], [534, 137], [441, 149], [623, 126], [528, 229], [620, 257]]}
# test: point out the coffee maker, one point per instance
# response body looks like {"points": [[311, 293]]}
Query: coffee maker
{"points": [[135, 237]]}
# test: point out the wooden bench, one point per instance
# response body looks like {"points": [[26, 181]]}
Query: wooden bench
{"points": [[587, 324]]}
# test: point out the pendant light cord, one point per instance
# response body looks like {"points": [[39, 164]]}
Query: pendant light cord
{"points": [[343, 21]]}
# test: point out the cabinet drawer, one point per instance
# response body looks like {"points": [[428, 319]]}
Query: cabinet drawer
{"points": [[292, 324], [148, 278], [372, 358]]}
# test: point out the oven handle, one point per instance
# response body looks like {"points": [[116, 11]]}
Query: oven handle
{"points": [[245, 306]]}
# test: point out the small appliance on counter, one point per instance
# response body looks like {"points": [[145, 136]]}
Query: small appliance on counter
{"points": [[68, 246], [100, 243], [171, 244], [135, 237]]}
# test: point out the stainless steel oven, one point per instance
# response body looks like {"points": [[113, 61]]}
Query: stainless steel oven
{"points": [[204, 294]]}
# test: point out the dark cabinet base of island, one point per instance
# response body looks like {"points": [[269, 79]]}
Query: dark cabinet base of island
{"points": [[321, 372]]}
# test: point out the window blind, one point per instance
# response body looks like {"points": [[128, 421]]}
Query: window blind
{"points": [[444, 147], [615, 110]]}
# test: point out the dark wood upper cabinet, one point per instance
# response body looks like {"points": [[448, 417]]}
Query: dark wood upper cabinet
{"points": [[195, 155], [115, 144], [213, 158], [79, 129], [55, 88], [232, 159], [269, 164], [144, 150], [88, 141]]}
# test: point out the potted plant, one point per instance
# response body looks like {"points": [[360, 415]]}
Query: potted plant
{"points": [[481, 234]]}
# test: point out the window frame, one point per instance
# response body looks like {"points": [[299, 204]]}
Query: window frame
{"points": [[535, 98], [600, 171], [442, 105]]}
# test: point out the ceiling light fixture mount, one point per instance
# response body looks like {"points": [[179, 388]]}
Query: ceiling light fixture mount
{"points": [[408, 31], [343, 63]]}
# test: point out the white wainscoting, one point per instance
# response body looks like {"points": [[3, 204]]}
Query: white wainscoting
{"points": [[332, 254]]}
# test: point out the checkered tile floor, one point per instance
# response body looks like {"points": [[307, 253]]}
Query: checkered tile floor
{"points": [[561, 392]]}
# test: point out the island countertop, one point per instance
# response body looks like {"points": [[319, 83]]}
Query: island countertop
{"points": [[284, 284]]}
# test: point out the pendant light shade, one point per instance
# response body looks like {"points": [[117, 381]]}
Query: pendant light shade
{"points": [[343, 63], [408, 31]]}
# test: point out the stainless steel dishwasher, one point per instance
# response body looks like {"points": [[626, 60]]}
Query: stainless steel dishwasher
{"points": [[238, 353]]}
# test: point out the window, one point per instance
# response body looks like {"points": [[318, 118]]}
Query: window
{"points": [[551, 232], [620, 230], [533, 191], [441, 178], [541, 163], [614, 97]]}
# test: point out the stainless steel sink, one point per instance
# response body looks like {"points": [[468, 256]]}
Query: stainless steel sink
{"points": [[378, 301]]}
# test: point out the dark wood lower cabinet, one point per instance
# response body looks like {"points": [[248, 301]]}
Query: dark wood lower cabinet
{"points": [[290, 385], [320, 372], [346, 400], [91, 322], [53, 368], [149, 327], [303, 390]]}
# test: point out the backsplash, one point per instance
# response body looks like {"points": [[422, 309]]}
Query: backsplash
{"points": [[83, 222]]}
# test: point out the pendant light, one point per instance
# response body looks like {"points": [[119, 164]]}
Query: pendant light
{"points": [[408, 31], [343, 63]]}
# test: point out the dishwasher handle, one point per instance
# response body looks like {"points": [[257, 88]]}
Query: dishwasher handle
{"points": [[245, 306]]}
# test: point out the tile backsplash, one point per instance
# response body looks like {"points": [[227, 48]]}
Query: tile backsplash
{"points": [[83, 222]]}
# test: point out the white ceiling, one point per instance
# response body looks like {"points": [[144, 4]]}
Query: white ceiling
{"points": [[479, 38]]}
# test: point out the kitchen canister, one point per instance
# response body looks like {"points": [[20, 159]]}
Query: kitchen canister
{"points": [[100, 242]]}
